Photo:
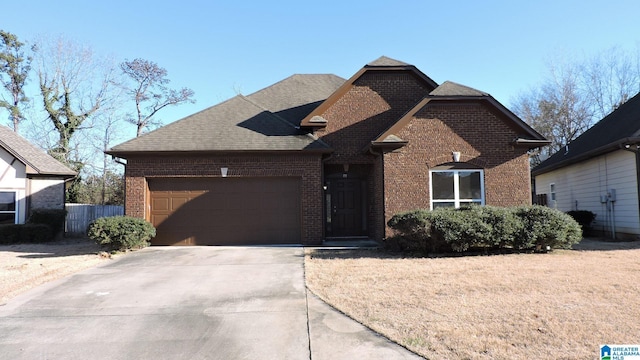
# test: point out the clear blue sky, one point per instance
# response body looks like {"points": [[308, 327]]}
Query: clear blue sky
{"points": [[219, 47]]}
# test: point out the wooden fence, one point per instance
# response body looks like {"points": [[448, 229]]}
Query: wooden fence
{"points": [[80, 215]]}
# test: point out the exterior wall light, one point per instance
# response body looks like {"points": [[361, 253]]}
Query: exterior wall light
{"points": [[224, 171]]}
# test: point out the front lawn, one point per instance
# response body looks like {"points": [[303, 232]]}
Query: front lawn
{"points": [[563, 304]]}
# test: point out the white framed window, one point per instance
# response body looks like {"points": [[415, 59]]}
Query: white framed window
{"points": [[454, 188], [552, 191], [8, 207]]}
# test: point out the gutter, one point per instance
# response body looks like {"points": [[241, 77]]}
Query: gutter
{"points": [[618, 144]]}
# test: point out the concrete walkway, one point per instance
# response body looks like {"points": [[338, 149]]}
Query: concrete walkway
{"points": [[187, 303]]}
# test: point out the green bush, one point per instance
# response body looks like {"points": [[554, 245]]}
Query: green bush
{"points": [[461, 229], [544, 226], [54, 218], [414, 233], [24, 233], [482, 227], [121, 232]]}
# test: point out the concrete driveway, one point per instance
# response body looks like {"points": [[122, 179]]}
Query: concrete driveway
{"points": [[187, 303]]}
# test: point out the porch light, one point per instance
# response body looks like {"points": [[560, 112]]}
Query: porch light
{"points": [[456, 156], [224, 171]]}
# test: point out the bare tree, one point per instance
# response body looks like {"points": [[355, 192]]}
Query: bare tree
{"points": [[150, 91], [575, 94], [73, 85], [15, 67], [610, 78]]}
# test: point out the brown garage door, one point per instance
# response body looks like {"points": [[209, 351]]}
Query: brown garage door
{"points": [[225, 211]]}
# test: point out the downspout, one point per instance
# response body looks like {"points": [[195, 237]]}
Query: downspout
{"points": [[636, 151], [124, 198], [383, 226]]}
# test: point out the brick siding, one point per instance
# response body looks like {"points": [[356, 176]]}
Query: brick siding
{"points": [[306, 167], [474, 130], [46, 194], [375, 102]]}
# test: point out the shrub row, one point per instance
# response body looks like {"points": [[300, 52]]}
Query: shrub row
{"points": [[53, 218], [473, 227], [24, 233], [121, 232], [43, 225]]}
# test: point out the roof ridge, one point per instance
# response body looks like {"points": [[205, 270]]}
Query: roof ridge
{"points": [[445, 89]]}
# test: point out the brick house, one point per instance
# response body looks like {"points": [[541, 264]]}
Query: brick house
{"points": [[317, 157], [29, 178]]}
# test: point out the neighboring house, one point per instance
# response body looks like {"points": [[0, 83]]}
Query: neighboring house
{"points": [[599, 172], [29, 178], [317, 157]]}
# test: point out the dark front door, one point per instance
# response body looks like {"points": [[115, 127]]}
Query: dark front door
{"points": [[346, 217]]}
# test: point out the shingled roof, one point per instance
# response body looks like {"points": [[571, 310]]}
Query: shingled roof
{"points": [[449, 88], [36, 160], [615, 131], [386, 61], [264, 120]]}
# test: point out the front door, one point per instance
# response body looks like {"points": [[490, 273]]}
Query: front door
{"points": [[345, 206]]}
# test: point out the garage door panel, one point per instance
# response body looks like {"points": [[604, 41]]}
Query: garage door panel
{"points": [[226, 211]]}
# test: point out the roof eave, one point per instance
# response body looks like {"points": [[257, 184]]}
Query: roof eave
{"points": [[124, 154], [616, 145], [388, 145]]}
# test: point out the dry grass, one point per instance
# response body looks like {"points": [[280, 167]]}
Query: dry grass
{"points": [[25, 266], [561, 305]]}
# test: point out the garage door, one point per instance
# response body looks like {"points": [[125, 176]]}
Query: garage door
{"points": [[225, 211]]}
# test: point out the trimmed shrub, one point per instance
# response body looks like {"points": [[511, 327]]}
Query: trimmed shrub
{"points": [[413, 230], [460, 229], [54, 218], [544, 226], [121, 232], [24, 233], [482, 227]]}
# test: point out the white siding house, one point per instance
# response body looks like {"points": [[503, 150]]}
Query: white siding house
{"points": [[585, 186], [598, 172], [29, 178]]}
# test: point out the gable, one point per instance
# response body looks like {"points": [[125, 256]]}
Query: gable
{"points": [[472, 112], [36, 160], [357, 113], [13, 173], [470, 128], [382, 66]]}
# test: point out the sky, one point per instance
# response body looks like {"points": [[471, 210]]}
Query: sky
{"points": [[222, 48]]}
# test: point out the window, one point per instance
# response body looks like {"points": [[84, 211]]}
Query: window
{"points": [[7, 207], [454, 188], [552, 191]]}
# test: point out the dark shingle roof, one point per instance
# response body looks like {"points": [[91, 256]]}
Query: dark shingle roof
{"points": [[296, 96], [449, 88], [615, 130], [264, 120], [37, 161]]}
